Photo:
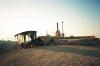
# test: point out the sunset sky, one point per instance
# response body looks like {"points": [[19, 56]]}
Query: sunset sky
{"points": [[80, 17]]}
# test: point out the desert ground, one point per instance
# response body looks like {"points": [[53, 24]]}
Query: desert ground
{"points": [[52, 55]]}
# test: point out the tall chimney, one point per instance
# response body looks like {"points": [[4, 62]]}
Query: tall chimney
{"points": [[62, 27], [58, 35], [62, 30], [57, 26]]}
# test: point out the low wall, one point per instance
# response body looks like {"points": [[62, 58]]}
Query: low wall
{"points": [[84, 42]]}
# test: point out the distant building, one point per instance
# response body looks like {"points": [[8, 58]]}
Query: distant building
{"points": [[80, 37]]}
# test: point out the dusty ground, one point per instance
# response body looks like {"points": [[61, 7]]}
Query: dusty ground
{"points": [[60, 55]]}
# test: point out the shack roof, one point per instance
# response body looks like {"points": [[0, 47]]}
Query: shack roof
{"points": [[26, 32]]}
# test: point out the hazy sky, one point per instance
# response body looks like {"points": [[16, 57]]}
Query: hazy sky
{"points": [[81, 17]]}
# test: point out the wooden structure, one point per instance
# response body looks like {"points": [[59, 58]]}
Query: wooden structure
{"points": [[21, 37]]}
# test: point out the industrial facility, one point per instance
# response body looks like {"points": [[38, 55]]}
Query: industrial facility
{"points": [[30, 39]]}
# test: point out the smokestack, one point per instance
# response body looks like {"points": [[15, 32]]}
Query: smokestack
{"points": [[62, 30], [58, 32], [57, 26], [62, 27]]}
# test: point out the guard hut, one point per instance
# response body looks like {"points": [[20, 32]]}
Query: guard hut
{"points": [[21, 37]]}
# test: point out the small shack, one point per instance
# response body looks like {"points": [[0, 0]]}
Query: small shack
{"points": [[21, 37]]}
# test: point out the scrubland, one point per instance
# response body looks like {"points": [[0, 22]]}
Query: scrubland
{"points": [[52, 55]]}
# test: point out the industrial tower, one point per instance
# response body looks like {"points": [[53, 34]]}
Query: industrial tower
{"points": [[62, 30], [58, 35]]}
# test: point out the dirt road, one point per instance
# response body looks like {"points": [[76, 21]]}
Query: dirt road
{"points": [[52, 56]]}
